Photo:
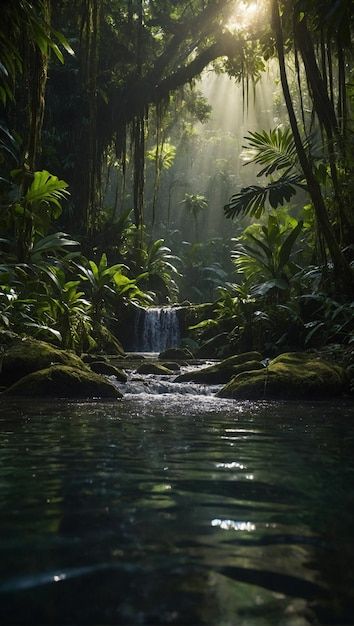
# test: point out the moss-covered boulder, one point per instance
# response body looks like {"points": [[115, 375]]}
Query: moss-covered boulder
{"points": [[225, 370], [26, 355], [107, 369], [176, 354], [292, 376], [154, 368], [172, 366], [62, 381], [92, 358]]}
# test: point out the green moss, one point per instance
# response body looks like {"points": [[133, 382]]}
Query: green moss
{"points": [[154, 368], [107, 369], [225, 370], [61, 381], [289, 376], [30, 355]]}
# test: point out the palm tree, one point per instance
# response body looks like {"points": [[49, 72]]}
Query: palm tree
{"points": [[195, 204]]}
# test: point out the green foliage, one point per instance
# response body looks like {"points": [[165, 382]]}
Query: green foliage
{"points": [[29, 209], [107, 285], [67, 310], [332, 321], [194, 204], [166, 156], [275, 151], [158, 270], [206, 267], [267, 257], [25, 20]]}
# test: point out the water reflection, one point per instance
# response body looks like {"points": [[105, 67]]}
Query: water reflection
{"points": [[195, 511]]}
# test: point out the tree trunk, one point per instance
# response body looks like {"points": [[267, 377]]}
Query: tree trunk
{"points": [[342, 269]]}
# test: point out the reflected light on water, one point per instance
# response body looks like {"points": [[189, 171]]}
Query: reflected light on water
{"points": [[229, 524], [233, 465]]}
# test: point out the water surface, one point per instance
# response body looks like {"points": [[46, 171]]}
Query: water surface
{"points": [[176, 509]]}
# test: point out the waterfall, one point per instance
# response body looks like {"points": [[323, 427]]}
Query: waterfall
{"points": [[157, 329]]}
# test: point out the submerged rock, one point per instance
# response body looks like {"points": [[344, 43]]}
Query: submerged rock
{"points": [[154, 368], [178, 354], [26, 355], [62, 381], [225, 370], [291, 375], [102, 367]]}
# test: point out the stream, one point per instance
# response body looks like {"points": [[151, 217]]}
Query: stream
{"points": [[174, 507]]}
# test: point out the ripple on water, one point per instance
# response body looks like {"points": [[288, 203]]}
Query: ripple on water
{"points": [[170, 508]]}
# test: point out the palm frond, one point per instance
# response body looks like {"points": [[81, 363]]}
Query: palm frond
{"points": [[275, 150], [252, 200]]}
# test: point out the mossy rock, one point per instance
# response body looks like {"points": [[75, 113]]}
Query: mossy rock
{"points": [[224, 371], [176, 354], [28, 355], [61, 381], [175, 367], [92, 358], [107, 369], [292, 376], [154, 368]]}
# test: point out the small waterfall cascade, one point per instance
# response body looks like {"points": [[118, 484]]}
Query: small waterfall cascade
{"points": [[156, 329]]}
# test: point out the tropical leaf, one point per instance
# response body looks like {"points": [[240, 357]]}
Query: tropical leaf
{"points": [[275, 150], [46, 189], [57, 242], [287, 247], [263, 288], [252, 200]]}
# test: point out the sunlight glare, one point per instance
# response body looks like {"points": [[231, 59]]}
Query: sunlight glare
{"points": [[245, 15]]}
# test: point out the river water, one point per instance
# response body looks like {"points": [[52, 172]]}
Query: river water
{"points": [[176, 509]]}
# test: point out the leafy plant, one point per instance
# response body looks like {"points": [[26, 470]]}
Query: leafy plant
{"points": [[332, 321], [265, 259], [195, 204], [33, 208], [276, 152], [106, 284], [158, 270]]}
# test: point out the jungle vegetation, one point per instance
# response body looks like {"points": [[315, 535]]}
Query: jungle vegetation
{"points": [[99, 104]]}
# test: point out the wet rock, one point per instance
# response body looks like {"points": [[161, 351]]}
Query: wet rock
{"points": [[171, 366], [107, 369], [291, 375], [225, 370], [26, 355], [173, 354], [154, 368], [92, 358], [62, 381]]}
